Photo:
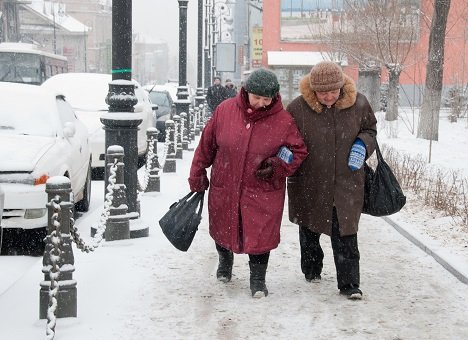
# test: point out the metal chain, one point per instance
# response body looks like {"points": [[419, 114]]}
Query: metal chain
{"points": [[182, 130], [149, 161], [54, 255], [56, 241], [165, 150], [196, 118], [176, 133], [101, 228]]}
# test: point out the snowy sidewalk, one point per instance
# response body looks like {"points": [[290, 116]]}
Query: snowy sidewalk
{"points": [[144, 289]]}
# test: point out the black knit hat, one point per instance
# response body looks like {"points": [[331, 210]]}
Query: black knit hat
{"points": [[262, 82]]}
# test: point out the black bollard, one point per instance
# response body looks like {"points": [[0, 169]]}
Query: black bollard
{"points": [[154, 184], [59, 187], [185, 134], [192, 124], [178, 126], [170, 162], [196, 129], [117, 225]]}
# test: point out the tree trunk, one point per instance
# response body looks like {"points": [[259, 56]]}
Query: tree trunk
{"points": [[428, 127], [393, 87], [369, 85]]}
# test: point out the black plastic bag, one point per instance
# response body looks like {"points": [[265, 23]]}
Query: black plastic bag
{"points": [[181, 222], [382, 192]]}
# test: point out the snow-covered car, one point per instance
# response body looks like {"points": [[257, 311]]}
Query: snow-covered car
{"points": [[172, 86], [40, 137], [86, 92], [2, 200], [160, 96]]}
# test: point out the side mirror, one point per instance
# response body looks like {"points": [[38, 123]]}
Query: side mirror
{"points": [[69, 130]]}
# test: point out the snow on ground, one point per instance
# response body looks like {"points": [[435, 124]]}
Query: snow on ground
{"points": [[447, 154], [146, 289]]}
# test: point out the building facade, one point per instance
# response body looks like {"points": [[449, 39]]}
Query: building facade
{"points": [[150, 61], [97, 15], [291, 50]]}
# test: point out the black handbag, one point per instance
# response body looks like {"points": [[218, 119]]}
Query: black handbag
{"points": [[181, 222], [382, 192]]}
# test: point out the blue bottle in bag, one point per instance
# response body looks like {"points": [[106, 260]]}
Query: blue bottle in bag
{"points": [[285, 155]]}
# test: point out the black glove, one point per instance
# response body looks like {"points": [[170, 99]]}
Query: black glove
{"points": [[265, 171]]}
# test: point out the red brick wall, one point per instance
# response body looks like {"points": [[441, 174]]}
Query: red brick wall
{"points": [[456, 48]]}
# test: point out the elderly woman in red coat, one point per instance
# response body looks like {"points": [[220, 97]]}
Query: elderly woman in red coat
{"points": [[326, 193], [248, 180]]}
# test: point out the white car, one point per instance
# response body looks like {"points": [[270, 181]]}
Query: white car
{"points": [[40, 137], [172, 86], [160, 96], [86, 92]]}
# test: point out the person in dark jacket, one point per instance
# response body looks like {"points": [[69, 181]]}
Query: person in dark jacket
{"points": [[326, 193], [248, 180], [216, 94], [231, 89]]}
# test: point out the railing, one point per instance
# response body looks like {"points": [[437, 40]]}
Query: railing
{"points": [[58, 294]]}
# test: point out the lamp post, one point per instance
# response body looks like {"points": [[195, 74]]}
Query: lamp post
{"points": [[182, 102], [121, 122], [200, 98], [207, 46]]}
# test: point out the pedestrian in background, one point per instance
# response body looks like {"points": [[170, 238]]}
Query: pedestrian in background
{"points": [[231, 89], [248, 180], [216, 94], [326, 193]]}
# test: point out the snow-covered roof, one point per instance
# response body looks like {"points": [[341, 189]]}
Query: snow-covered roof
{"points": [[296, 58], [56, 12]]}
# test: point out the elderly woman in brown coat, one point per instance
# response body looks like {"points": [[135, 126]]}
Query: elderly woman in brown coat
{"points": [[326, 194]]}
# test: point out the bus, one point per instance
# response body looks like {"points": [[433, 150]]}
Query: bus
{"points": [[25, 63]]}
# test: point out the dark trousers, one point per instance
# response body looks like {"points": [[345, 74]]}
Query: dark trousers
{"points": [[258, 259], [345, 253]]}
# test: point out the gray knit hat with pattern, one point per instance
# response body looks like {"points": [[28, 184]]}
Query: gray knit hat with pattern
{"points": [[262, 82]]}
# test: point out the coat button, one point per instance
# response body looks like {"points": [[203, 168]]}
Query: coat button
{"points": [[248, 126]]}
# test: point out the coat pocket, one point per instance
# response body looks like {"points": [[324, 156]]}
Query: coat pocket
{"points": [[272, 185]]}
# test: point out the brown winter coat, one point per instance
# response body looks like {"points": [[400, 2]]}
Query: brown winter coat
{"points": [[324, 179]]}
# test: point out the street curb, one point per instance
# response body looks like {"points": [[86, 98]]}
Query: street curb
{"points": [[463, 277]]}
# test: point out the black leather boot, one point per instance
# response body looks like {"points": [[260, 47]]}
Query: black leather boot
{"points": [[257, 279], [226, 259]]}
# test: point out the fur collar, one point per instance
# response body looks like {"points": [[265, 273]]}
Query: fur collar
{"points": [[347, 97]]}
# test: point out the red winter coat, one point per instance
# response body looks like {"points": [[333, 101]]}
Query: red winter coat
{"points": [[245, 212]]}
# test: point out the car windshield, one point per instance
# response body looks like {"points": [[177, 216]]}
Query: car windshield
{"points": [[159, 98], [26, 117]]}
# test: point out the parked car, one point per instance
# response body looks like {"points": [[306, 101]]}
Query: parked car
{"points": [[2, 200], [172, 86], [87, 92], [40, 137], [160, 96]]}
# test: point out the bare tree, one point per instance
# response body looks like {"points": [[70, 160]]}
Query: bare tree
{"points": [[378, 32], [428, 127]]}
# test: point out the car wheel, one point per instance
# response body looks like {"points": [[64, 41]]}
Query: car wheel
{"points": [[83, 205]]}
